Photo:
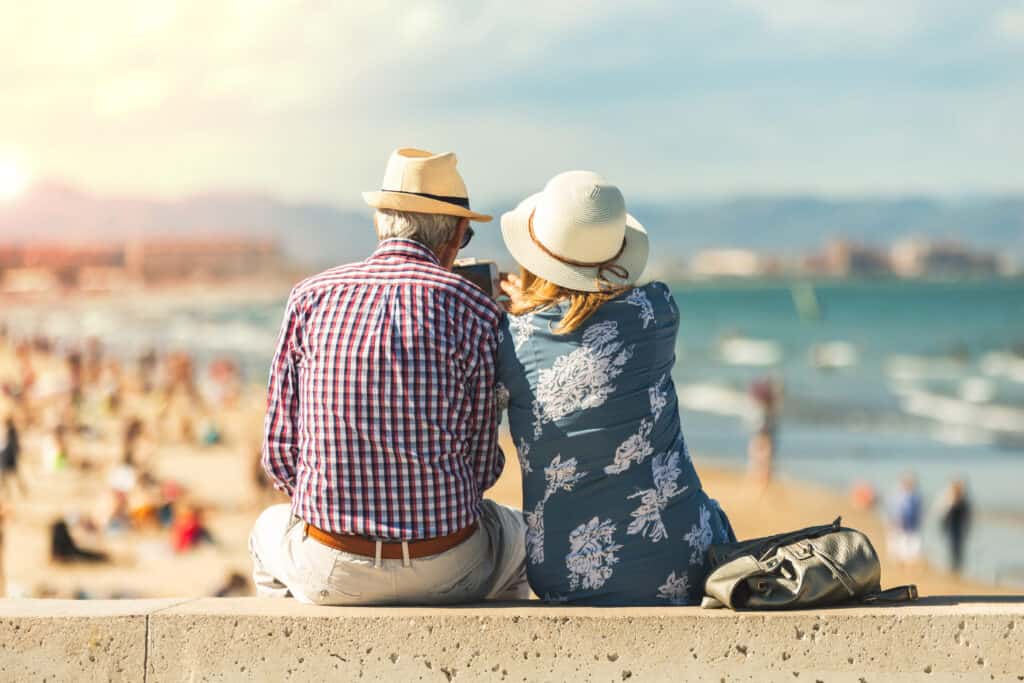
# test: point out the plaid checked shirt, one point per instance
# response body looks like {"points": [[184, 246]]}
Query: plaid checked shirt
{"points": [[381, 412]]}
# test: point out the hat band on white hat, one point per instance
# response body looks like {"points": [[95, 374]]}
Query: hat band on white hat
{"points": [[608, 265], [457, 201]]}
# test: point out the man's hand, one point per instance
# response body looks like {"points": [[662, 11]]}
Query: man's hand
{"points": [[512, 285]]}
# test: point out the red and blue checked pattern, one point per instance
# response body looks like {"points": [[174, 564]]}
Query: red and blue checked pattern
{"points": [[381, 412]]}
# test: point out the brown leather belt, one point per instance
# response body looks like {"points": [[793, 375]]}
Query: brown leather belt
{"points": [[390, 550]]}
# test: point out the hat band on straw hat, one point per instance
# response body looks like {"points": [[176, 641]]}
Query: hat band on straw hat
{"points": [[457, 201], [608, 265]]}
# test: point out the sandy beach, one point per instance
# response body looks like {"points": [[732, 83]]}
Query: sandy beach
{"points": [[220, 477], [220, 480]]}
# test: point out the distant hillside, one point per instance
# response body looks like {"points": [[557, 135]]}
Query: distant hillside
{"points": [[310, 233], [318, 234], [784, 223]]}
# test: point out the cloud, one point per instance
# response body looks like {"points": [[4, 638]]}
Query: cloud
{"points": [[1009, 23], [130, 92], [307, 97], [834, 23]]}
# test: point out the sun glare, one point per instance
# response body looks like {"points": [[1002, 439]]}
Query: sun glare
{"points": [[13, 180]]}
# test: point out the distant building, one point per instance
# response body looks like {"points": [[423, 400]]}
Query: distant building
{"points": [[105, 279], [920, 257], [164, 260], [29, 281], [727, 263], [42, 267], [10, 257], [842, 258], [50, 266]]}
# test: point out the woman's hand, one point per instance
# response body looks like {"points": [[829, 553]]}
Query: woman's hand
{"points": [[512, 286]]}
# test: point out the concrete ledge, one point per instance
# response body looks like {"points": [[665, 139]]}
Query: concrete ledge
{"points": [[250, 639], [73, 640]]}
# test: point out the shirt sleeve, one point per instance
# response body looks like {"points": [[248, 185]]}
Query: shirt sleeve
{"points": [[484, 416], [280, 433]]}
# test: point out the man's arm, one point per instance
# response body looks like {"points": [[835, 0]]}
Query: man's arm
{"points": [[280, 429], [484, 413]]}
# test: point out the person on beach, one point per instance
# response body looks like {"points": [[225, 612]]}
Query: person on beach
{"points": [[64, 549], [10, 456], [956, 522], [905, 517], [615, 511], [382, 418], [766, 395]]}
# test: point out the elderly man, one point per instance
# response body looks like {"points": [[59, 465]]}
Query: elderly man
{"points": [[382, 418]]}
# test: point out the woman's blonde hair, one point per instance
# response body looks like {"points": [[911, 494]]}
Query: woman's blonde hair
{"points": [[539, 293]]}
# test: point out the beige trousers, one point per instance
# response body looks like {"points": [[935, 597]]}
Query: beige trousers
{"points": [[489, 565]]}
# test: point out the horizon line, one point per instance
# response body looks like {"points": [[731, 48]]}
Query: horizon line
{"points": [[681, 198]]}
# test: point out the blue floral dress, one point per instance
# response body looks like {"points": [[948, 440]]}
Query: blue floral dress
{"points": [[615, 511]]}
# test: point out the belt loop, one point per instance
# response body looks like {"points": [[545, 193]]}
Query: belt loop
{"points": [[406, 562], [305, 530], [377, 554]]}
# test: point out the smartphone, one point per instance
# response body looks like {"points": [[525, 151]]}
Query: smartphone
{"points": [[481, 272]]}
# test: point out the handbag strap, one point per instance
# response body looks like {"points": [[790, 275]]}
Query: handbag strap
{"points": [[765, 547], [907, 593]]}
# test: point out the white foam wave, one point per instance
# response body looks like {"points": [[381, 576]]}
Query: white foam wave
{"points": [[717, 399], [744, 351], [833, 355], [906, 367], [1003, 364], [960, 413]]}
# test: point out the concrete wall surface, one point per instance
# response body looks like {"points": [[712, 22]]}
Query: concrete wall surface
{"points": [[938, 639]]}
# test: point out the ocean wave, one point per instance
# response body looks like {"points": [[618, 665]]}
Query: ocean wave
{"points": [[960, 413], [977, 390], [833, 355], [746, 351], [717, 399], [1003, 364], [907, 367]]}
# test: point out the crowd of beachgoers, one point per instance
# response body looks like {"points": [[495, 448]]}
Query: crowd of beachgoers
{"points": [[87, 438], [140, 477]]}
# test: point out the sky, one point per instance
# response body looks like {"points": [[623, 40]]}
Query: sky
{"points": [[667, 98]]}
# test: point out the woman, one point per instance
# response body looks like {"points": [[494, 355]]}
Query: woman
{"points": [[615, 510]]}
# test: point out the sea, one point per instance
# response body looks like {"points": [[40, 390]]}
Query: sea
{"points": [[880, 378]]}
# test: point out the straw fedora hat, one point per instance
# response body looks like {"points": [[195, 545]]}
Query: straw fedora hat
{"points": [[424, 182], [576, 233]]}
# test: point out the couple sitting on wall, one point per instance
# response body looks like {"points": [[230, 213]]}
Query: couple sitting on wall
{"points": [[385, 398]]}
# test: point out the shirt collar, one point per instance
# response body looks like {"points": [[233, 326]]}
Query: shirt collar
{"points": [[405, 249]]}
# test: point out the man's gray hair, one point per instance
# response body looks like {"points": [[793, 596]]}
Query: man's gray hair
{"points": [[432, 229]]}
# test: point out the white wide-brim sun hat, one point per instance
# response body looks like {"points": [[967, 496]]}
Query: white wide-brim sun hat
{"points": [[577, 234]]}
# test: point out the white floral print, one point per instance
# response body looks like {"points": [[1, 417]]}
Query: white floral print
{"points": [[521, 327], [676, 589], [700, 535], [581, 379], [535, 533], [658, 395], [591, 557], [559, 476], [523, 452], [636, 448], [647, 517], [638, 297]]}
